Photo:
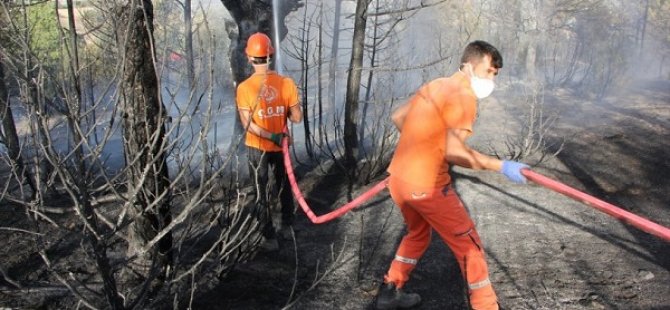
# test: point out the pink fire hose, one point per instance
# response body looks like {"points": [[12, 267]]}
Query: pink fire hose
{"points": [[335, 213], [610, 209]]}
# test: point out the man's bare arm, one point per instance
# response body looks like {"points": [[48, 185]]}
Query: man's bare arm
{"points": [[295, 113], [458, 153], [245, 117]]}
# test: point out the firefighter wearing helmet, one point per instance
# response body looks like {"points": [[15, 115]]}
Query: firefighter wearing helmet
{"points": [[265, 101], [259, 45]]}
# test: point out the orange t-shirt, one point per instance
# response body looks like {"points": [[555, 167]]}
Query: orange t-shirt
{"points": [[269, 98], [439, 105]]}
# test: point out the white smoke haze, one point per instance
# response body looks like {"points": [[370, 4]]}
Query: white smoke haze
{"points": [[589, 46]]}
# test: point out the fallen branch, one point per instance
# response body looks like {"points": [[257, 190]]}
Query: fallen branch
{"points": [[33, 290]]}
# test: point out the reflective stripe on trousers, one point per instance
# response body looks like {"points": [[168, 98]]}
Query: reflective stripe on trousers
{"points": [[480, 284], [406, 260], [441, 210]]}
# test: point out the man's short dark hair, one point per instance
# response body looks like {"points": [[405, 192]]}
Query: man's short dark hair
{"points": [[476, 50], [260, 60]]}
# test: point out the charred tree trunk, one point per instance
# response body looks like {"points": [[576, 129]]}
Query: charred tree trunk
{"points": [[317, 109], [304, 63], [643, 30], [84, 205], [144, 142], [8, 134], [332, 70], [368, 88], [250, 17], [528, 12], [33, 99], [188, 44], [354, 86]]}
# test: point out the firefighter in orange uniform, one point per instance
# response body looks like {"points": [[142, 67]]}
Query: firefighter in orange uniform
{"points": [[265, 101], [434, 126]]}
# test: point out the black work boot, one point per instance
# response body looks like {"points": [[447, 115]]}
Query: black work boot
{"points": [[391, 298]]}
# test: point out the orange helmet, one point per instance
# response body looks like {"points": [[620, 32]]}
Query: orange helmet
{"points": [[259, 45]]}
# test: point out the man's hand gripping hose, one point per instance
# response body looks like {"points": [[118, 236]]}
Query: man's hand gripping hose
{"points": [[276, 138], [512, 170]]}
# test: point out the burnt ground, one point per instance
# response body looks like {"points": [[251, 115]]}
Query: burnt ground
{"points": [[545, 251]]}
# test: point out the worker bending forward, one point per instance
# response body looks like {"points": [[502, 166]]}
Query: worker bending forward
{"points": [[434, 125]]}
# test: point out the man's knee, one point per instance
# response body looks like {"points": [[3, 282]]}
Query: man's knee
{"points": [[418, 235]]}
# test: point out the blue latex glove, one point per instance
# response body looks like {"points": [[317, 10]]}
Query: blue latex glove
{"points": [[512, 170], [276, 138]]}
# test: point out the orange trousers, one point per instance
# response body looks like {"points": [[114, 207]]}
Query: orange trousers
{"points": [[442, 210]]}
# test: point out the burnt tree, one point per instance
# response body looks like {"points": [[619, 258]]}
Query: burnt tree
{"points": [[8, 134], [144, 141], [354, 86], [188, 42]]}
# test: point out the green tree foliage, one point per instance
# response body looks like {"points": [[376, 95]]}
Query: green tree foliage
{"points": [[43, 31]]}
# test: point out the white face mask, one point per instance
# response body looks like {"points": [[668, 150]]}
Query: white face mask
{"points": [[481, 87]]}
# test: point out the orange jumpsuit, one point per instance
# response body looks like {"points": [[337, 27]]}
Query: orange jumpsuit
{"points": [[420, 185]]}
